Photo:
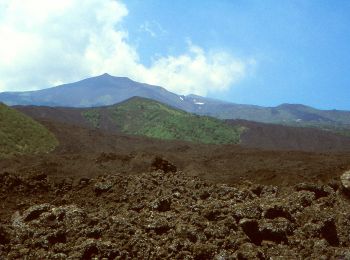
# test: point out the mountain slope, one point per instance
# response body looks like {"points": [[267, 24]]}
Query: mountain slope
{"points": [[289, 138], [108, 90], [141, 116], [96, 91], [20, 134], [293, 114], [255, 135]]}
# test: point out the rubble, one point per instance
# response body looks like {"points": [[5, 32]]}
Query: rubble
{"points": [[158, 215]]}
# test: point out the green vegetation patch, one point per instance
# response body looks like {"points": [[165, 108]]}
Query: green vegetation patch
{"points": [[141, 116], [93, 116], [20, 134]]}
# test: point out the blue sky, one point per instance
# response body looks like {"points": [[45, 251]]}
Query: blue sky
{"points": [[243, 51], [302, 48]]}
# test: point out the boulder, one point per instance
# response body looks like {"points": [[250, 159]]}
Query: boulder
{"points": [[345, 180]]}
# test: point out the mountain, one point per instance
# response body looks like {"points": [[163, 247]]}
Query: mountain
{"points": [[97, 91], [141, 116], [19, 134], [108, 90], [293, 114]]}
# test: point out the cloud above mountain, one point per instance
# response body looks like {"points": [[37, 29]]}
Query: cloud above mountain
{"points": [[45, 43]]}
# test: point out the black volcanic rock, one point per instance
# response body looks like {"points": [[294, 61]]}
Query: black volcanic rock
{"points": [[87, 226]]}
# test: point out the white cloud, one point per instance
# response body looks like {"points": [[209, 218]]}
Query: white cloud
{"points": [[146, 27], [153, 28], [46, 42], [196, 72]]}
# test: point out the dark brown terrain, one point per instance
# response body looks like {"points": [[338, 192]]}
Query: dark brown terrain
{"points": [[288, 138], [89, 152], [115, 196], [257, 135]]}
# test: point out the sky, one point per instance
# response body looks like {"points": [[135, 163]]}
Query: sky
{"points": [[244, 51]]}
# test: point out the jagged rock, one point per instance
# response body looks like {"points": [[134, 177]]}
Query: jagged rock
{"points": [[264, 191], [4, 236], [322, 226], [89, 249], [329, 231], [59, 256], [216, 232], [159, 226], [276, 230], [35, 211], [277, 211], [251, 229], [101, 187], [247, 210], [162, 204], [249, 251], [300, 200], [204, 195], [203, 251], [187, 232], [9, 181], [58, 236], [319, 190], [160, 164], [223, 255], [141, 218], [211, 214], [345, 180]]}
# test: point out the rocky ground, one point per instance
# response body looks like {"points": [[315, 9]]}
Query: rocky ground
{"points": [[108, 196], [166, 214]]}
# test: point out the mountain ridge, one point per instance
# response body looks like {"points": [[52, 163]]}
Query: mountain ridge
{"points": [[142, 116], [106, 90], [255, 135]]}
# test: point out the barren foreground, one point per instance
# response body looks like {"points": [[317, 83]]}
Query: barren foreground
{"points": [[119, 197], [167, 215]]}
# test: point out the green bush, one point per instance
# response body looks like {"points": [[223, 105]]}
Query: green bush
{"points": [[93, 116]]}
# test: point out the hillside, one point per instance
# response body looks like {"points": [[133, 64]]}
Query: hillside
{"points": [[255, 135], [290, 138], [140, 116], [107, 90], [20, 134]]}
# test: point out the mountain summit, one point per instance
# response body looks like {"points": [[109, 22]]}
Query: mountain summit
{"points": [[96, 91], [107, 90]]}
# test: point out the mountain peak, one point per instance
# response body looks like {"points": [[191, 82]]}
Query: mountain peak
{"points": [[106, 75], [292, 106]]}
